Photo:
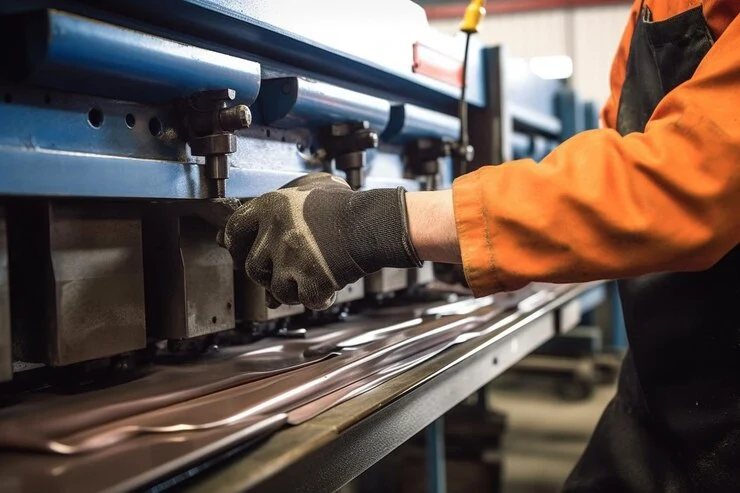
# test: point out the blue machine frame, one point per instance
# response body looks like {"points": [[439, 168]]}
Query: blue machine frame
{"points": [[87, 98]]}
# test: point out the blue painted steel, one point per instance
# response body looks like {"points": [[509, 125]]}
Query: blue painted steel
{"points": [[435, 457], [619, 332], [521, 145], [529, 119], [73, 174], [409, 122], [343, 45], [292, 102], [593, 298], [89, 56], [49, 146], [534, 147], [591, 115], [569, 108], [60, 121]]}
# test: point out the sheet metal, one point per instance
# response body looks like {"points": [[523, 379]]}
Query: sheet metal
{"points": [[63, 51], [324, 452], [509, 340]]}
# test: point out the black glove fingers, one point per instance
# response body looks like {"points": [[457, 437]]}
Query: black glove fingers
{"points": [[316, 296], [259, 264], [241, 231], [270, 301], [285, 290]]}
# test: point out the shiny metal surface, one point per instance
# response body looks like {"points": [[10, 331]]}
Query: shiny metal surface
{"points": [[384, 374], [352, 50], [313, 409], [135, 461], [63, 51], [409, 122], [271, 395], [323, 452], [165, 385], [133, 465], [294, 102], [410, 342], [280, 391]]}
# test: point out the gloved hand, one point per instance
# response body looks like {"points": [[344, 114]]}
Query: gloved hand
{"points": [[315, 235]]}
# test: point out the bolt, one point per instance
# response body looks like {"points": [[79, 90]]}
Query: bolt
{"points": [[235, 118], [368, 140]]}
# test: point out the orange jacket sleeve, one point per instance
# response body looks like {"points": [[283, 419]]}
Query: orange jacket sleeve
{"points": [[602, 206]]}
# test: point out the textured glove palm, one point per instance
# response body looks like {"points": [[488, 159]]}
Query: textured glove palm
{"points": [[315, 235]]}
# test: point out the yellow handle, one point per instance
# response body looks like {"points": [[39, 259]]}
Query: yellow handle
{"points": [[474, 12]]}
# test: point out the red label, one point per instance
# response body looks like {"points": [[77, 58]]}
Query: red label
{"points": [[436, 65]]}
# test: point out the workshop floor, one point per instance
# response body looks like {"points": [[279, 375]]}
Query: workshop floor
{"points": [[546, 435]]}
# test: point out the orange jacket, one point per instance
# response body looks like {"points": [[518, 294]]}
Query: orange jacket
{"points": [[603, 206]]}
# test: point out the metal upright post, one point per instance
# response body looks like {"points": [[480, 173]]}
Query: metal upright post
{"points": [[435, 451], [619, 335]]}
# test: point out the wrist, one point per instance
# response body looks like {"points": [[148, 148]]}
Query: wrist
{"points": [[432, 228], [380, 233]]}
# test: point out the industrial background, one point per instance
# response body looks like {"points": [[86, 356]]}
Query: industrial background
{"points": [[586, 31], [136, 354]]}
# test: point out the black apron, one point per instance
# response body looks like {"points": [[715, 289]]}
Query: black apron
{"points": [[674, 423]]}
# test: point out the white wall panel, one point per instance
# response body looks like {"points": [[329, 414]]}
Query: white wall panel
{"points": [[597, 35], [589, 35]]}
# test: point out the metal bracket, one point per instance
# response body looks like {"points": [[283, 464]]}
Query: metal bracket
{"points": [[208, 124], [346, 144]]}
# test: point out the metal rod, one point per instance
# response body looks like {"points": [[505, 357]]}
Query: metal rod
{"points": [[435, 451], [619, 338], [464, 137]]}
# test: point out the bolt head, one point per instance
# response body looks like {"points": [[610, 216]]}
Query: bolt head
{"points": [[245, 116]]}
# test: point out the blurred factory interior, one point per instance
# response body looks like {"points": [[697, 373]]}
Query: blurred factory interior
{"points": [[295, 246]]}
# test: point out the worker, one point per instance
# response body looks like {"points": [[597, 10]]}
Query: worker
{"points": [[653, 199]]}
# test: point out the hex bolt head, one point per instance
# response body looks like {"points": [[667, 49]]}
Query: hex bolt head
{"points": [[235, 118]]}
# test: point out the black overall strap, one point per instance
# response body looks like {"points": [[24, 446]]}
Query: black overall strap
{"points": [[674, 424]]}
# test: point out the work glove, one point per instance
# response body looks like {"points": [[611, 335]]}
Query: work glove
{"points": [[315, 235]]}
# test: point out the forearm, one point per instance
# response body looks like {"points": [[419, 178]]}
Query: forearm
{"points": [[432, 226]]}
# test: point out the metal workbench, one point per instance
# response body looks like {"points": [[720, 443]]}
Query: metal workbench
{"points": [[332, 449]]}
